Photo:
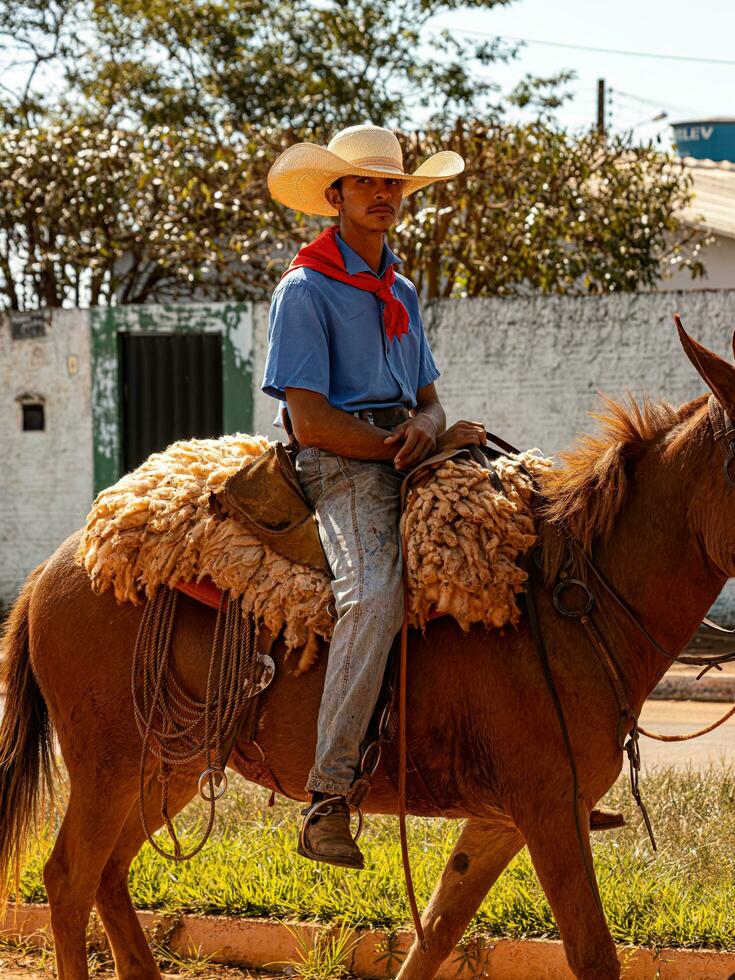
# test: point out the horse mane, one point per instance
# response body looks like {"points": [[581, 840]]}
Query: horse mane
{"points": [[587, 492]]}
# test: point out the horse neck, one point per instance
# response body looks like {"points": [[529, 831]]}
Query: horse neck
{"points": [[655, 561]]}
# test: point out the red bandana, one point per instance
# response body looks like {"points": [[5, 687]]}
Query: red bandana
{"points": [[323, 255]]}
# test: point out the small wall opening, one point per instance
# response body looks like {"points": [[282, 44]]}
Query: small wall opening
{"points": [[33, 413], [33, 418]]}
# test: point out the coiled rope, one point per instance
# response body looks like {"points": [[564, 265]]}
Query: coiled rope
{"points": [[175, 727]]}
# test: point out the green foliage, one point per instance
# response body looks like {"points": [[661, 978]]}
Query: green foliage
{"points": [[88, 214], [326, 958], [537, 210], [139, 175], [91, 215], [391, 953], [214, 63], [682, 896]]}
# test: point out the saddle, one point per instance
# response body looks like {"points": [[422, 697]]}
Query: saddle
{"points": [[266, 496]]}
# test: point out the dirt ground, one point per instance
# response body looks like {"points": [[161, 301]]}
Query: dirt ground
{"points": [[29, 964]]}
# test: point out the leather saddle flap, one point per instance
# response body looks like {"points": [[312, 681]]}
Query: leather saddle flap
{"points": [[265, 496]]}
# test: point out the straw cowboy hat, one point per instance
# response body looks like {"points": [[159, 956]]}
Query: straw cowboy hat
{"points": [[303, 172]]}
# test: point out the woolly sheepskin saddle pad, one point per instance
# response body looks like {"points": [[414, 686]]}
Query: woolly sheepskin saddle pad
{"points": [[155, 526]]}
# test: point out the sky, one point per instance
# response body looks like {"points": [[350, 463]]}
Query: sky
{"points": [[641, 87]]}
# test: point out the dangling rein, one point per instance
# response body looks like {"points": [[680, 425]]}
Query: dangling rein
{"points": [[715, 724], [686, 738], [723, 430]]}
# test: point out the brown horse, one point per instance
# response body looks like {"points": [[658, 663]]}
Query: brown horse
{"points": [[649, 494]]}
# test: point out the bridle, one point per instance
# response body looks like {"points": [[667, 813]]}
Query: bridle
{"points": [[723, 429]]}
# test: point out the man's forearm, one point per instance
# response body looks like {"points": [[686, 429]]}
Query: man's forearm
{"points": [[355, 438], [435, 412], [341, 433]]}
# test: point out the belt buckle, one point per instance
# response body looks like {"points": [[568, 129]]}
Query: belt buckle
{"points": [[369, 416]]}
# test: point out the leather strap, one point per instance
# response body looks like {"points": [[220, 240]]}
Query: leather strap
{"points": [[384, 418], [402, 684]]}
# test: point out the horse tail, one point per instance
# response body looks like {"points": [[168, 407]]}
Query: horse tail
{"points": [[26, 741]]}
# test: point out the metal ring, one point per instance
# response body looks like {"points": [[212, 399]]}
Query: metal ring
{"points": [[268, 673], [728, 468], [565, 610], [255, 745], [371, 758], [219, 791], [314, 810]]}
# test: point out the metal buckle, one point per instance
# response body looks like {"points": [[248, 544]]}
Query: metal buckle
{"points": [[573, 613], [385, 717], [216, 792], [633, 751]]}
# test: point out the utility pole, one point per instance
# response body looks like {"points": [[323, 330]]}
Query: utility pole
{"points": [[601, 107]]}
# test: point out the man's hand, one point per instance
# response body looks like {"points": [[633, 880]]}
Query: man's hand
{"points": [[419, 437], [462, 434]]}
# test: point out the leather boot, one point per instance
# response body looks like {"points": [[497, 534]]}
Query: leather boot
{"points": [[605, 819], [325, 836]]}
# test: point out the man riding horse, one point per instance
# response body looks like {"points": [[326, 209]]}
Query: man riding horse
{"points": [[349, 359]]}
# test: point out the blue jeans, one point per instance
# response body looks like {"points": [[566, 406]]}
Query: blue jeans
{"points": [[357, 505]]}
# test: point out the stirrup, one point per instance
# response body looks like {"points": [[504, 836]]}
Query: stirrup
{"points": [[310, 812]]}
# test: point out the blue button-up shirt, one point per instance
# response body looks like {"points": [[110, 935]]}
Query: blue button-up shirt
{"points": [[328, 336]]}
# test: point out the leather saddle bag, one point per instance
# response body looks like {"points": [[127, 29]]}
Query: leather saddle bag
{"points": [[266, 497]]}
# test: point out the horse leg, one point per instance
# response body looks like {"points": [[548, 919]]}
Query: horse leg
{"points": [[91, 825], [481, 853], [564, 867], [130, 949]]}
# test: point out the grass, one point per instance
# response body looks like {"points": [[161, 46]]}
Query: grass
{"points": [[326, 957], [683, 896]]}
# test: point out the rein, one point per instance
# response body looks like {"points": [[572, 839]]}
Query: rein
{"points": [[724, 434], [723, 431]]}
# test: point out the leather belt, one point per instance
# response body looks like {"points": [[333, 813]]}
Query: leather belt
{"points": [[384, 418]]}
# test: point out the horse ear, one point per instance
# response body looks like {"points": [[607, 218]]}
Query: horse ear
{"points": [[716, 372]]}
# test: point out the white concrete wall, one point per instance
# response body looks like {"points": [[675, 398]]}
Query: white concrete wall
{"points": [[264, 407], [46, 477], [719, 261], [531, 369]]}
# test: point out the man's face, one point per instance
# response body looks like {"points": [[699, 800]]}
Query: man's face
{"points": [[371, 203]]}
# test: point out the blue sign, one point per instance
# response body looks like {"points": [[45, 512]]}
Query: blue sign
{"points": [[706, 139]]}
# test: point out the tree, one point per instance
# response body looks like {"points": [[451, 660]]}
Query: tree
{"points": [[91, 215], [35, 36], [538, 210], [219, 63], [140, 175]]}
